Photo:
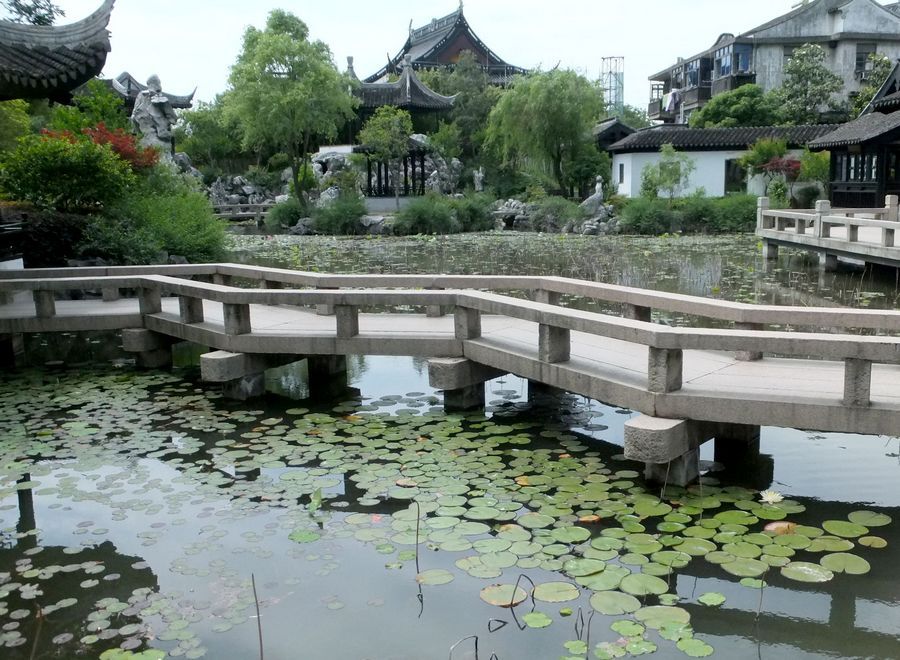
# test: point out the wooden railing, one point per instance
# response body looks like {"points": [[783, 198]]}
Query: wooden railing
{"points": [[665, 344]]}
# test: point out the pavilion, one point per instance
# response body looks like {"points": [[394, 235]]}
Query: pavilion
{"points": [[49, 62]]}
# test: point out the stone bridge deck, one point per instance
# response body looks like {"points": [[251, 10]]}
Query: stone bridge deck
{"points": [[744, 375]]}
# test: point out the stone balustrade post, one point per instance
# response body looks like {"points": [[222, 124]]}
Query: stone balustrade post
{"points": [[237, 318], [887, 237], [221, 280], [325, 309], [853, 233], [554, 344], [110, 293], [762, 205], [150, 300], [822, 228], [546, 297], [664, 369], [467, 323], [347, 321], [190, 309], [44, 304], [891, 204], [434, 311], [857, 382], [748, 356]]}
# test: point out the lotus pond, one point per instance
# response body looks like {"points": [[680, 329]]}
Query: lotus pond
{"points": [[142, 515]]}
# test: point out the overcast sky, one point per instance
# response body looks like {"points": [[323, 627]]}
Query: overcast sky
{"points": [[193, 43]]}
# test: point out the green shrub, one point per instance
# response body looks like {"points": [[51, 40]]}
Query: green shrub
{"points": [[736, 213], [473, 211], [806, 196], [698, 214], [63, 173], [284, 214], [278, 162], [263, 178], [341, 216], [553, 213], [778, 194], [431, 214], [163, 214], [646, 215]]}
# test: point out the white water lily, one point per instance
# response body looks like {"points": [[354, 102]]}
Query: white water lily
{"points": [[770, 497]]}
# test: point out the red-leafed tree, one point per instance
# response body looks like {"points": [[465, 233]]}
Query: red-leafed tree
{"points": [[125, 146]]}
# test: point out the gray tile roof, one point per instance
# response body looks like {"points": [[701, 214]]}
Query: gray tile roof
{"points": [[867, 127], [50, 61], [409, 93], [717, 139]]}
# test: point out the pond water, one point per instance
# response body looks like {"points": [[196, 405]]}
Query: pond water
{"points": [[140, 511]]}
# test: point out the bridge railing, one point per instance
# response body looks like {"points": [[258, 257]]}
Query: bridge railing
{"points": [[635, 303], [666, 345], [242, 211], [820, 221]]}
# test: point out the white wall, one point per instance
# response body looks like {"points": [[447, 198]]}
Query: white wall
{"points": [[709, 173]]}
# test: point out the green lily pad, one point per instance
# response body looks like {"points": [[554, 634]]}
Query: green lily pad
{"points": [[712, 599], [640, 647], [657, 616], [873, 542], [844, 529], [536, 620], [556, 592], [582, 567], [694, 648], [639, 584], [434, 576], [803, 571], [609, 651], [503, 595], [627, 628], [571, 534], [869, 518], [844, 562], [746, 567], [614, 603], [830, 544], [535, 521], [304, 536]]}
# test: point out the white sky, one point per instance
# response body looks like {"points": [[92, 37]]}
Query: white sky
{"points": [[193, 43]]}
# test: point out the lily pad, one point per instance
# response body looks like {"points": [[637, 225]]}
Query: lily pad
{"points": [[844, 562], [803, 571], [556, 592], [712, 599], [503, 595], [844, 529], [639, 584], [873, 542], [434, 576], [536, 620], [869, 518], [614, 603], [694, 648], [657, 616], [582, 567]]}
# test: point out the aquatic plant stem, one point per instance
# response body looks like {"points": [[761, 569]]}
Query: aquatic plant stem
{"points": [[37, 633], [258, 619]]}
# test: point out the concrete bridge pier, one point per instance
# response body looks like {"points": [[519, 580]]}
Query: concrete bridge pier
{"points": [[828, 262], [462, 381], [736, 444], [541, 393], [243, 375], [12, 348], [327, 375], [770, 250], [154, 350]]}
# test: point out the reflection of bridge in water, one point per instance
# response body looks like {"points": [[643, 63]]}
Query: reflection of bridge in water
{"points": [[691, 383]]}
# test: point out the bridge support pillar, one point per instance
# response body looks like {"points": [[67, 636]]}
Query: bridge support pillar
{"points": [[12, 348], [669, 448], [770, 250], [464, 398], [736, 444], [828, 262], [540, 392], [327, 375], [246, 387], [153, 350], [462, 381]]}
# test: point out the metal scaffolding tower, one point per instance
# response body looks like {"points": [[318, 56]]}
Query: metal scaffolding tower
{"points": [[612, 81]]}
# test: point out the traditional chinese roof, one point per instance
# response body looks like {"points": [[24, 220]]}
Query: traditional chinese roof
{"points": [[439, 44], [128, 87], [45, 61], [611, 130], [863, 129], [408, 93], [717, 139], [887, 98]]}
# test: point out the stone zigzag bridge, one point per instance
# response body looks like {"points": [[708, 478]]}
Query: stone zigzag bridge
{"points": [[691, 383]]}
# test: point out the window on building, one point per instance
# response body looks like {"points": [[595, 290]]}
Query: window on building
{"points": [[743, 58], [840, 169], [788, 53], [722, 65], [735, 177], [621, 172], [863, 50], [692, 76]]}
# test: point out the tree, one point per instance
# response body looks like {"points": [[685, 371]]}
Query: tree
{"points": [[14, 123], [93, 104], [36, 12], [747, 105], [286, 91], [671, 175], [209, 137], [809, 86], [878, 69], [635, 117], [544, 119], [386, 136]]}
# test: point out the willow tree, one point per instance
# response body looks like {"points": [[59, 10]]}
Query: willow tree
{"points": [[386, 137], [286, 91], [545, 119]]}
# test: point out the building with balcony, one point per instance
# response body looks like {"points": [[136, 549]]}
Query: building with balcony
{"points": [[848, 30]]}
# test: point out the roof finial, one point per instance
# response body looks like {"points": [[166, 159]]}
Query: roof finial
{"points": [[460, 6]]}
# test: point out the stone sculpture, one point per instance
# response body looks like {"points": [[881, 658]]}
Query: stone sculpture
{"points": [[478, 176], [153, 117]]}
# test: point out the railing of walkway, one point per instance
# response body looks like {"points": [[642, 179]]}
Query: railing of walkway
{"points": [[665, 344], [820, 222]]}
